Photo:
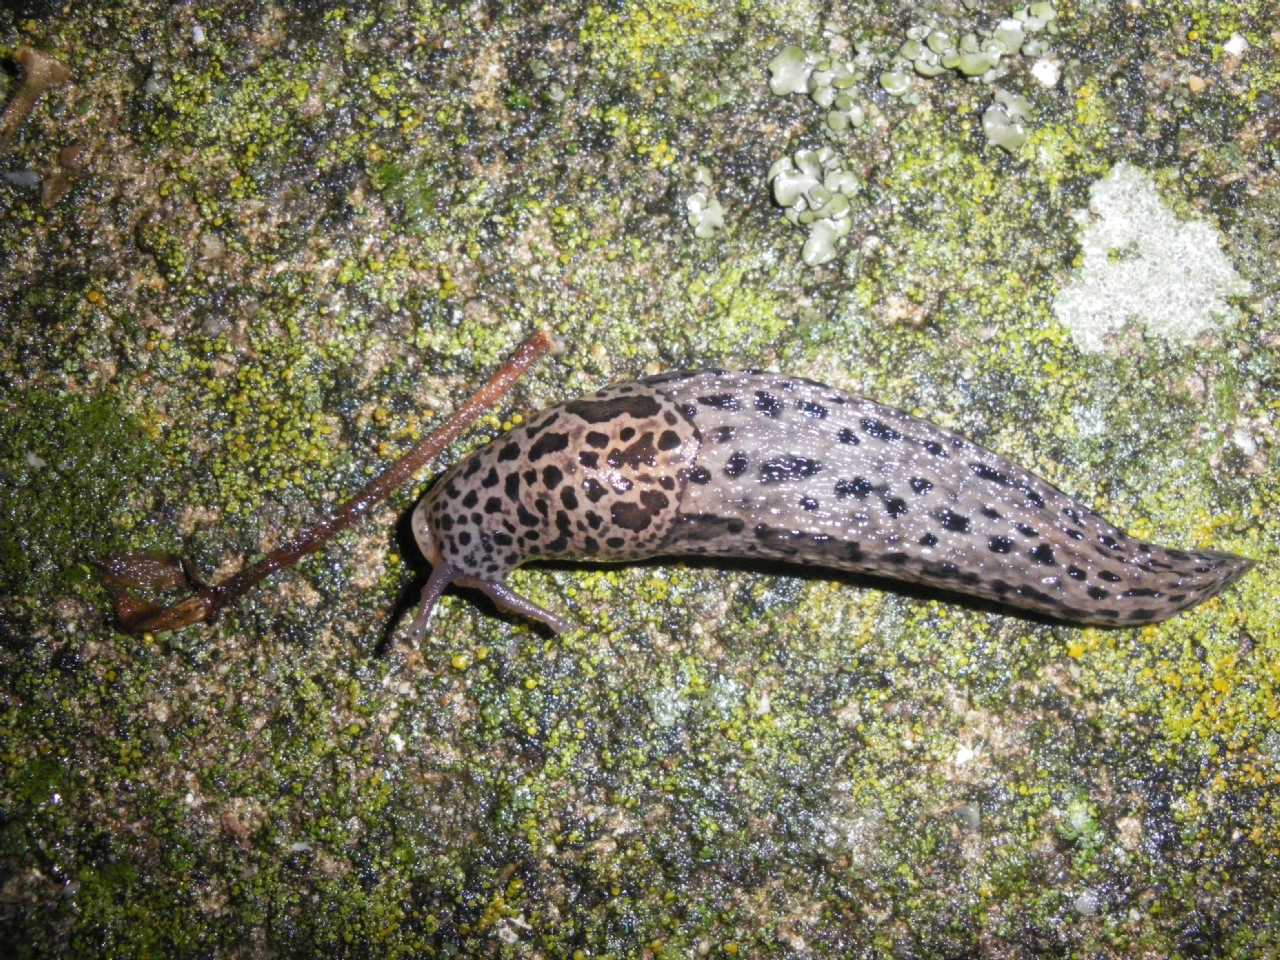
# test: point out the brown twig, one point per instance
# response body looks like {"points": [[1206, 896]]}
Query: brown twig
{"points": [[40, 72], [139, 570]]}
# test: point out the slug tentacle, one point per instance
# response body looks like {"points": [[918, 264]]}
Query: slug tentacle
{"points": [[757, 464]]}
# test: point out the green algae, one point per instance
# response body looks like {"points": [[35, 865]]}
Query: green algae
{"points": [[76, 474], [353, 217]]}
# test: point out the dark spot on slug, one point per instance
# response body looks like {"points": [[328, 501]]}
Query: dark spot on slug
{"points": [[1025, 530], [493, 505], [723, 434], [669, 440], [597, 439], [626, 434], [551, 476], [935, 448], [768, 404], [920, 485], [720, 401], [589, 459], [1097, 593], [602, 411], [857, 487], [895, 506], [569, 498], [880, 430], [1143, 592], [810, 409], [735, 465], [928, 540], [1000, 544], [1108, 576], [788, 467], [1043, 554], [808, 503], [525, 517], [630, 516], [700, 475], [641, 453], [593, 489], [848, 436], [509, 452], [952, 520], [512, 486], [550, 442], [1075, 573], [471, 499], [490, 479]]}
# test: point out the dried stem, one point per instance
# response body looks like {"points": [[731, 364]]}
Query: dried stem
{"points": [[135, 616]]}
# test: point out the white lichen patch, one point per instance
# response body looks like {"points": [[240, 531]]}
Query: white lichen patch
{"points": [[1143, 265]]}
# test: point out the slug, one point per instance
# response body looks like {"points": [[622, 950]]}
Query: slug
{"points": [[721, 464]]}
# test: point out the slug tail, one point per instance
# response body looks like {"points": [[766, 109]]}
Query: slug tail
{"points": [[1160, 582]]}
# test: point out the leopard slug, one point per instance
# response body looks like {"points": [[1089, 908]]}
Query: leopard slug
{"points": [[720, 464]]}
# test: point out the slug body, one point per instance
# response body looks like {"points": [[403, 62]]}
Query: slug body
{"points": [[722, 464]]}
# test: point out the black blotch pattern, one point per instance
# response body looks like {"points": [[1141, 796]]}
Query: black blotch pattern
{"points": [[1026, 531], [857, 487], [490, 479], [1075, 573], [1108, 576], [471, 499], [1043, 555], [788, 467], [509, 452], [1000, 544], [736, 465], [597, 439], [1143, 592], [895, 506], [810, 409], [642, 453], [602, 411], [512, 486], [593, 489], [493, 505], [1097, 593], [848, 436], [526, 518], [951, 520], [720, 401], [569, 498], [928, 540], [626, 434], [589, 459], [880, 430], [768, 404], [723, 434], [936, 449], [630, 516], [551, 476], [920, 485], [808, 503], [669, 440], [699, 475]]}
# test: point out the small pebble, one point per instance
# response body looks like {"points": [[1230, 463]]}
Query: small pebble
{"points": [[1196, 84], [22, 179], [1236, 46], [1047, 71]]}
